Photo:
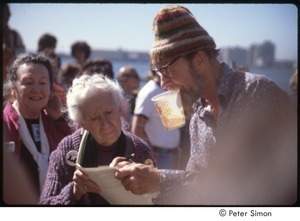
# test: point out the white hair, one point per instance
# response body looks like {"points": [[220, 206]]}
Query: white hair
{"points": [[83, 85]]}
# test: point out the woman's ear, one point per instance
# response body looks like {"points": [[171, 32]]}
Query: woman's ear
{"points": [[13, 92], [82, 124]]}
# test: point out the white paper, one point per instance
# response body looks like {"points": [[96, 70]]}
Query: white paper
{"points": [[111, 189]]}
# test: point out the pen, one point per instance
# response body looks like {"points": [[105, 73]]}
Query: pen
{"points": [[130, 157]]}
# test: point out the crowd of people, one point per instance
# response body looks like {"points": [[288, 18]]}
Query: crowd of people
{"points": [[239, 146]]}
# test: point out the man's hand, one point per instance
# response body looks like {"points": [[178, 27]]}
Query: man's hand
{"points": [[138, 178]]}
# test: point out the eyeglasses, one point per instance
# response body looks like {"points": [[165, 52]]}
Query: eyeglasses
{"points": [[163, 71]]}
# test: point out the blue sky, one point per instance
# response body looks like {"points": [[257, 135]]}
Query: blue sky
{"points": [[129, 26]]}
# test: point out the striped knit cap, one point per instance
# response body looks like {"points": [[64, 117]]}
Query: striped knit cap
{"points": [[177, 33]]}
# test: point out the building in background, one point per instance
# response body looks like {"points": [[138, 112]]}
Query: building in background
{"points": [[257, 55], [234, 56], [262, 55]]}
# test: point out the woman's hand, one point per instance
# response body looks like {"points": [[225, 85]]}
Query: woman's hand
{"points": [[54, 106], [82, 185]]}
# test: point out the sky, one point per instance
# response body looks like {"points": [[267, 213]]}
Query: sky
{"points": [[129, 26]]}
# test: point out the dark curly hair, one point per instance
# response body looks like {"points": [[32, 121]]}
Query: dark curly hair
{"points": [[81, 46], [27, 59], [46, 41], [103, 66]]}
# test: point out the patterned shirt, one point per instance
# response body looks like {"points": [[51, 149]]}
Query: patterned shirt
{"points": [[247, 103]]}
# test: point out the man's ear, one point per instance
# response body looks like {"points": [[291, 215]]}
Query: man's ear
{"points": [[200, 58]]}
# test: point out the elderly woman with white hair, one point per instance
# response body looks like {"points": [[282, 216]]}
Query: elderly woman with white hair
{"points": [[93, 104]]}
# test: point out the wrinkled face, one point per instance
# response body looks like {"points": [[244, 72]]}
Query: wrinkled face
{"points": [[101, 116], [32, 89]]}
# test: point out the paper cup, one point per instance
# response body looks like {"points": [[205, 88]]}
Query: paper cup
{"points": [[170, 110]]}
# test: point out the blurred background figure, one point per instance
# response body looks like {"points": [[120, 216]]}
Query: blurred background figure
{"points": [[146, 124], [81, 51], [11, 38], [129, 80], [294, 87], [8, 57], [12, 44], [67, 74], [47, 47], [102, 66], [17, 187]]}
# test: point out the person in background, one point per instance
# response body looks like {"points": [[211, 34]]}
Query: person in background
{"points": [[32, 118], [129, 80], [146, 124], [93, 103], [67, 74], [46, 47], [11, 38], [243, 135], [103, 66], [81, 51], [294, 87], [8, 57], [12, 46]]}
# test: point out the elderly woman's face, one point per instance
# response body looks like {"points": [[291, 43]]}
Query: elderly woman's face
{"points": [[101, 116], [32, 89]]}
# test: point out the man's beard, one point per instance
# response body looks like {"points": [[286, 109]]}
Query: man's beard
{"points": [[187, 101], [189, 97]]}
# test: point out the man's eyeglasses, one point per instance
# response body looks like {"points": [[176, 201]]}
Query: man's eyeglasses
{"points": [[163, 71]]}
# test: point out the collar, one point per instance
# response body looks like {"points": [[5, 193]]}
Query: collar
{"points": [[87, 151], [224, 90]]}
